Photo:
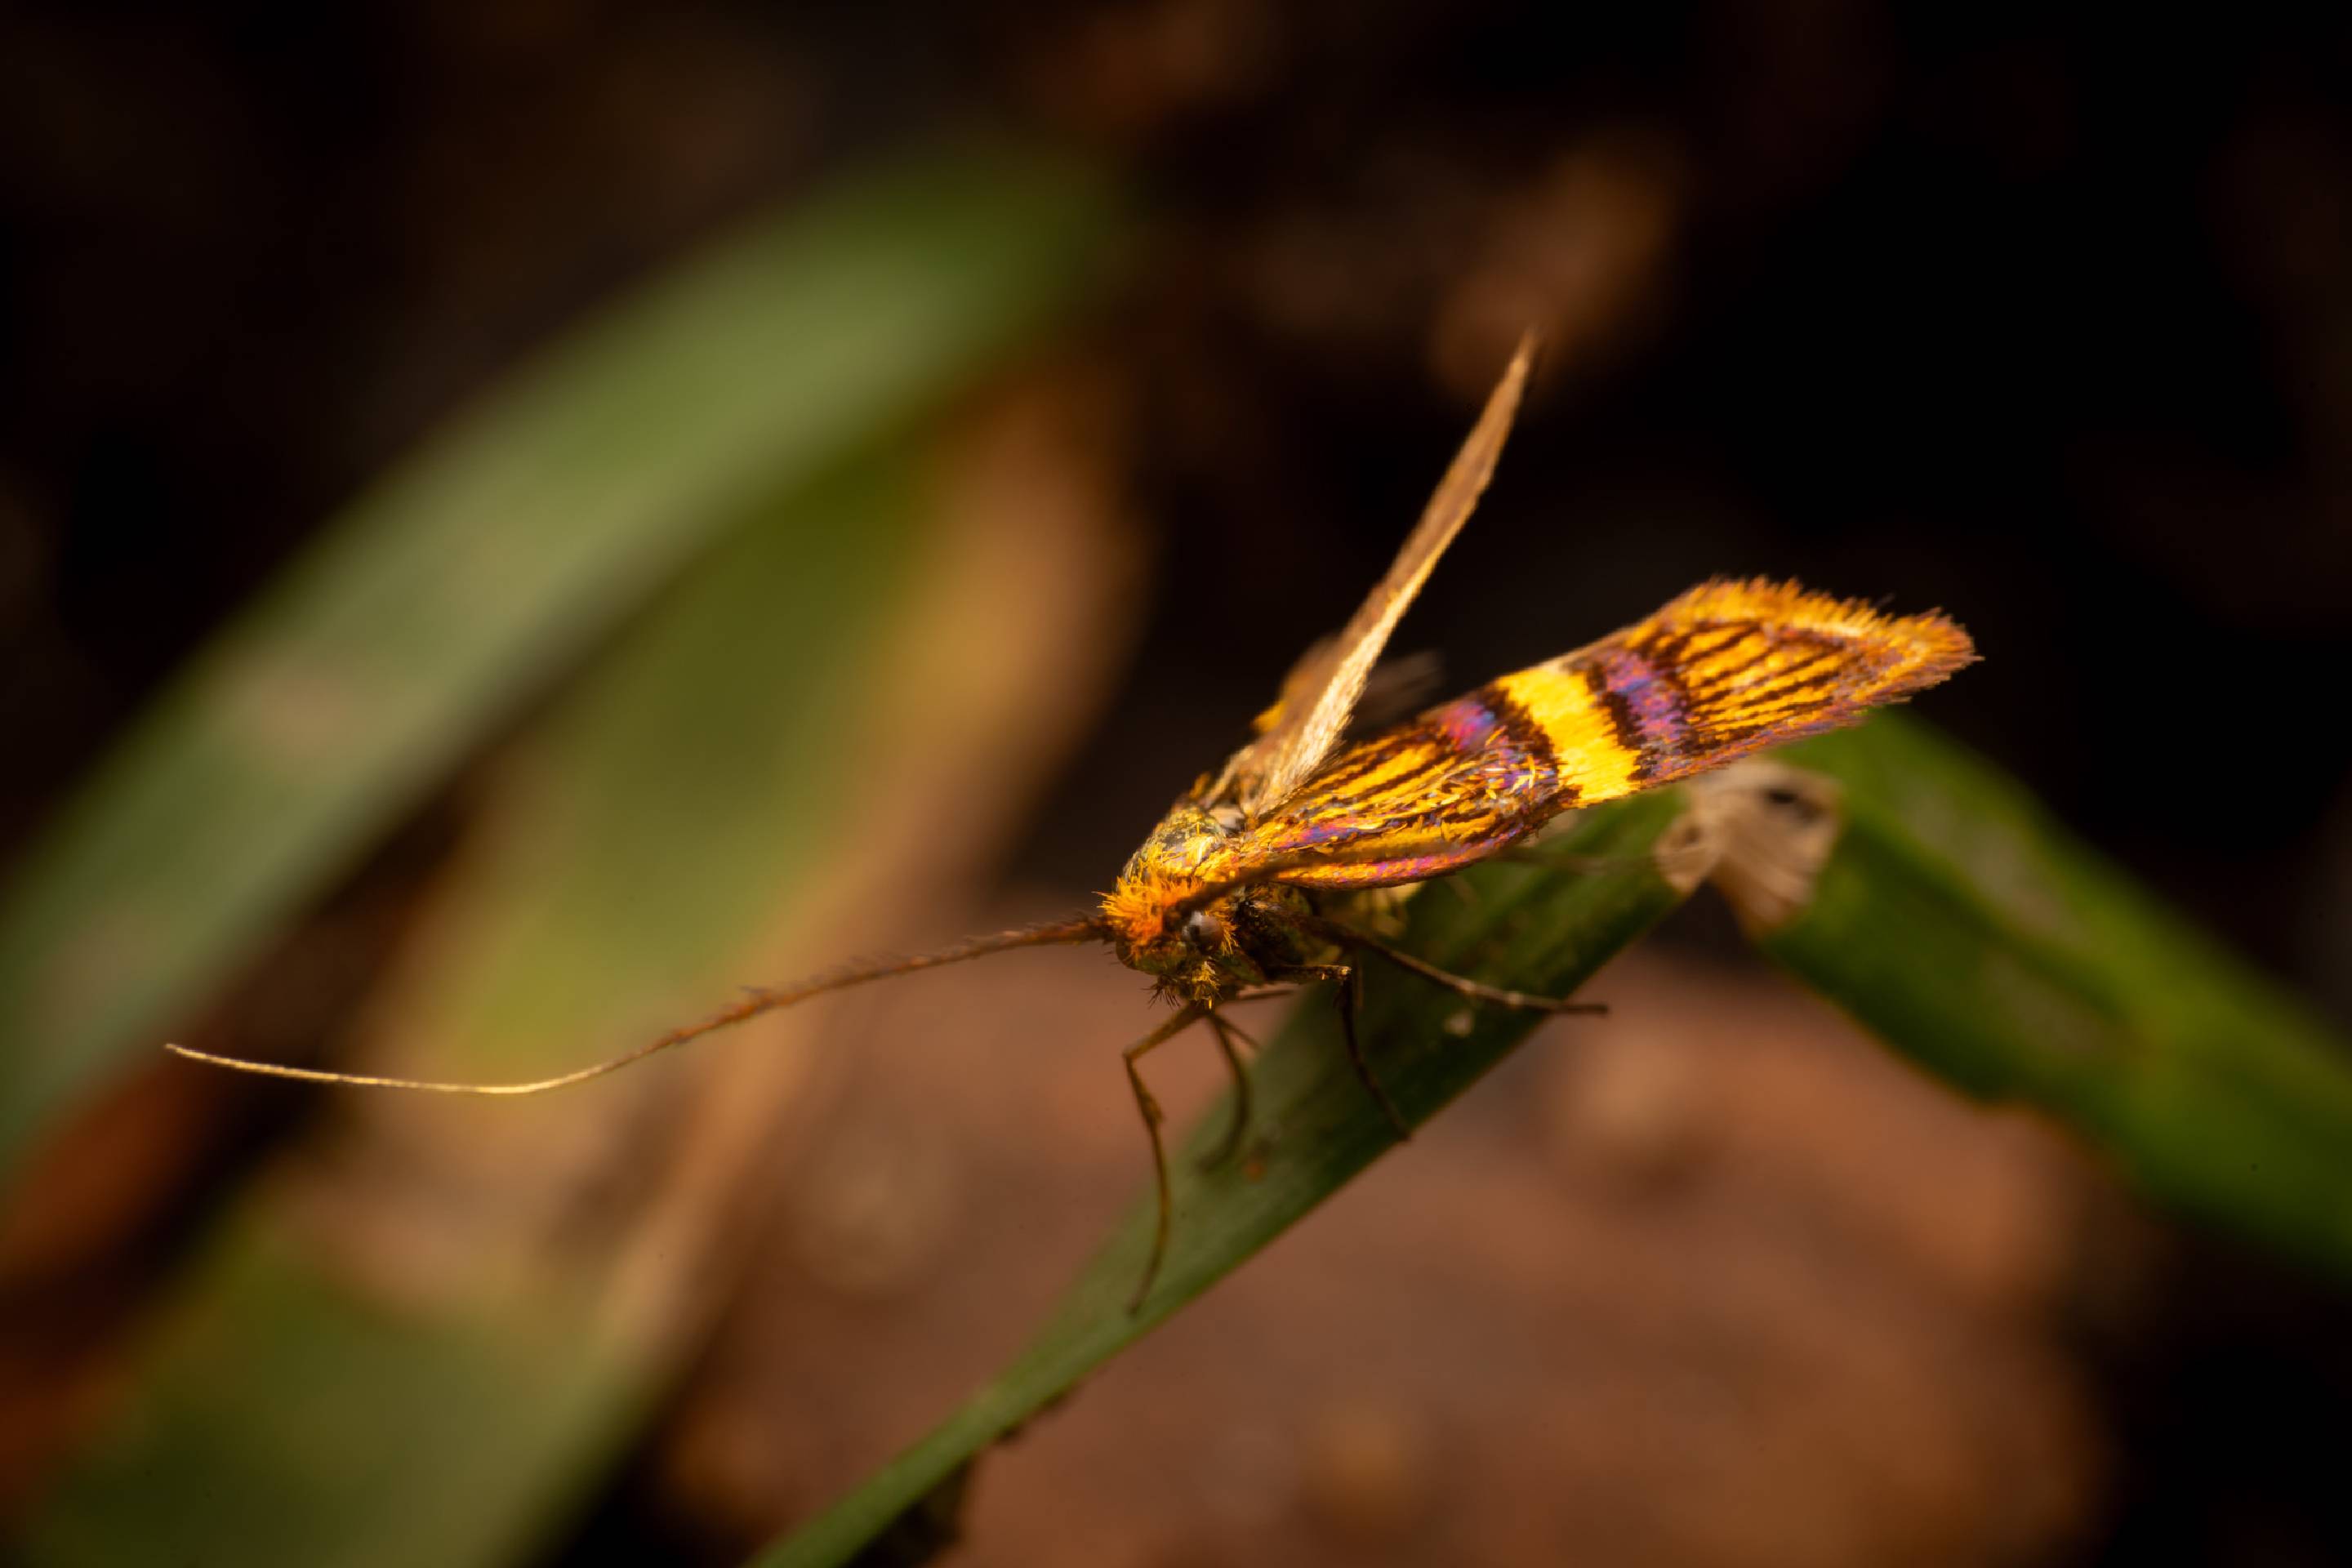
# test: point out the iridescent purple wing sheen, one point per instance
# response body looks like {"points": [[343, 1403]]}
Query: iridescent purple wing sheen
{"points": [[1451, 788], [1722, 671]]}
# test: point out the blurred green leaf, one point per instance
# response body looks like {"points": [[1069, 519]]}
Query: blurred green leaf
{"points": [[291, 1421], [484, 566], [1520, 926], [428, 1343], [1965, 927], [647, 830]]}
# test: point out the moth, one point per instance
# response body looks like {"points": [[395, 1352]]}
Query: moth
{"points": [[1244, 885]]}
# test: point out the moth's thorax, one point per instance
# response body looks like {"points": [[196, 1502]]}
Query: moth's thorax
{"points": [[1177, 915]]}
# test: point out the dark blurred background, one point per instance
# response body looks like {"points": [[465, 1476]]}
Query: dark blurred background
{"points": [[2045, 319]]}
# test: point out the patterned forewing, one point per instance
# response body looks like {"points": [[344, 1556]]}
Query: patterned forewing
{"points": [[1322, 689], [1724, 671]]}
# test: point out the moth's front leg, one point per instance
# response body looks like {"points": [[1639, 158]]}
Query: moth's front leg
{"points": [[1351, 995]]}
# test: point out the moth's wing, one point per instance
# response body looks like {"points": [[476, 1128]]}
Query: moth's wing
{"points": [[1301, 684], [1323, 687], [1398, 687], [1724, 671]]}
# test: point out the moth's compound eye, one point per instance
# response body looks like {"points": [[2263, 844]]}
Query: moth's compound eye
{"points": [[1202, 930]]}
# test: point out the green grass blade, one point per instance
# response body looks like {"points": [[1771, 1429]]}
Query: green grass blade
{"points": [[488, 563], [1962, 925], [1535, 930]]}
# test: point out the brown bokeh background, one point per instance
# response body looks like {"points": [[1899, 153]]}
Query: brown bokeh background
{"points": [[2045, 321]]}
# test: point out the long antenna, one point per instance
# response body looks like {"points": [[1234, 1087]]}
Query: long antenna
{"points": [[755, 1000]]}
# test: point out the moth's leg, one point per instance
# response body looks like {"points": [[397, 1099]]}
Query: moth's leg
{"points": [[1262, 993], [1461, 984], [1351, 1002], [1351, 995], [1227, 1032], [1152, 1117]]}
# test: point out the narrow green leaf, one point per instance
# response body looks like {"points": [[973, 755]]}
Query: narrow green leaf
{"points": [[485, 565], [1518, 926], [651, 824], [1960, 922], [427, 1341]]}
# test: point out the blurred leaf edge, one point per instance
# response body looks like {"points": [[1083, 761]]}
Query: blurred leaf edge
{"points": [[484, 564]]}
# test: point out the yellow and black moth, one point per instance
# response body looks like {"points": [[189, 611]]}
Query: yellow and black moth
{"points": [[1242, 886]]}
